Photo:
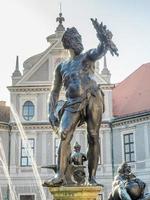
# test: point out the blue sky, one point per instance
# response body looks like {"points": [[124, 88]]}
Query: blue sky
{"points": [[25, 24]]}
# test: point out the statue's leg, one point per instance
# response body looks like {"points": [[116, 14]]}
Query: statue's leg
{"points": [[68, 124], [94, 116]]}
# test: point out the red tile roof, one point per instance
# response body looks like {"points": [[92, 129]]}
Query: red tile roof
{"points": [[133, 94]]}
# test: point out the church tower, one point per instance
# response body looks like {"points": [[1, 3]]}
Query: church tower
{"points": [[105, 73], [59, 30]]}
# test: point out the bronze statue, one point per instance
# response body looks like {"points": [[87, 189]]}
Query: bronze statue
{"points": [[126, 186], [84, 98]]}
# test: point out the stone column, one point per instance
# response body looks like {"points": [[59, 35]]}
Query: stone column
{"points": [[14, 141], [147, 147], [44, 152]]}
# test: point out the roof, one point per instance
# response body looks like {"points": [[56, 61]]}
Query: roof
{"points": [[133, 94]]}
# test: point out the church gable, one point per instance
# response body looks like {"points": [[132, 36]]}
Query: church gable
{"points": [[42, 74], [59, 45], [99, 79], [39, 72]]}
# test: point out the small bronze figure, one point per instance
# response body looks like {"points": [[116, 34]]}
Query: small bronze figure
{"points": [[84, 98], [77, 160], [75, 174], [126, 186]]}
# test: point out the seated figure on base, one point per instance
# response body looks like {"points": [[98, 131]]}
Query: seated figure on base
{"points": [[126, 186]]}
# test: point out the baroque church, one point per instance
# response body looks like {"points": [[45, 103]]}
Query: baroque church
{"points": [[124, 133]]}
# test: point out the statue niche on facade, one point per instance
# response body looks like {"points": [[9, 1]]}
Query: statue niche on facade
{"points": [[84, 98], [126, 186]]}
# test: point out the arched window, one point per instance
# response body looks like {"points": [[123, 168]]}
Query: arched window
{"points": [[28, 110]]}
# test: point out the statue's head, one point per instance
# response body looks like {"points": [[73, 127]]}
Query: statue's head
{"points": [[77, 147], [72, 40], [124, 168]]}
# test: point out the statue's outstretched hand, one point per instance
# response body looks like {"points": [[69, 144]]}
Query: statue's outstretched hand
{"points": [[105, 36]]}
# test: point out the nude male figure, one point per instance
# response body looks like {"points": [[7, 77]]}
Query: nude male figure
{"points": [[84, 99]]}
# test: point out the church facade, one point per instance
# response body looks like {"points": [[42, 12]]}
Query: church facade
{"points": [[124, 133]]}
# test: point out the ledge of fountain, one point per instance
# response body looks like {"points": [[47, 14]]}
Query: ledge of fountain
{"points": [[76, 192]]}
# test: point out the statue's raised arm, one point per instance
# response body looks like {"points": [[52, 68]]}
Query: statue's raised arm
{"points": [[105, 36]]}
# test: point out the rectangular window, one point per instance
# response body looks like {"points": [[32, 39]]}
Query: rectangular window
{"points": [[27, 197], [25, 157], [56, 146], [129, 154]]}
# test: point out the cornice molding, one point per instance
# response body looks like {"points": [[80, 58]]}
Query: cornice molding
{"points": [[132, 120], [107, 86], [33, 127], [4, 126], [104, 125], [43, 88], [47, 126]]}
